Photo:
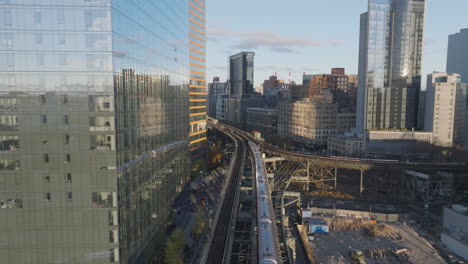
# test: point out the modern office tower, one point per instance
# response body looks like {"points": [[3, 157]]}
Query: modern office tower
{"points": [[94, 112], [446, 109], [198, 95], [241, 90], [222, 106], [457, 54], [215, 89], [241, 74], [236, 114], [390, 53]]}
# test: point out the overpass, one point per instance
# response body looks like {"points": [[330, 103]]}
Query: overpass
{"points": [[317, 169], [339, 162]]}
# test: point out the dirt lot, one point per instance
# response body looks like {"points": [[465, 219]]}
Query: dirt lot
{"points": [[337, 246]]}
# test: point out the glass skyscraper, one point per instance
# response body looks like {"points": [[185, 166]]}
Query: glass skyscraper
{"points": [[241, 74], [96, 98], [390, 54], [457, 54]]}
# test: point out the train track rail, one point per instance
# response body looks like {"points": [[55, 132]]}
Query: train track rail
{"points": [[223, 228]]}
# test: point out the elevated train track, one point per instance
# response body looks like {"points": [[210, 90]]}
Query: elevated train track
{"points": [[223, 224], [270, 239], [267, 248], [337, 162]]}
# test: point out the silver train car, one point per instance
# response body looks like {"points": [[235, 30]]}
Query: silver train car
{"points": [[267, 236]]}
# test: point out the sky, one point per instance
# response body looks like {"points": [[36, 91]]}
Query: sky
{"points": [[311, 36]]}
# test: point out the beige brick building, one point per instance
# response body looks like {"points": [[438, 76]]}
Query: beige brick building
{"points": [[312, 120]]}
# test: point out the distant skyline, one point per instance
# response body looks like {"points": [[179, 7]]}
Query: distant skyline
{"points": [[311, 36]]}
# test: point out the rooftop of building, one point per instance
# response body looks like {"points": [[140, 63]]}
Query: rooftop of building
{"points": [[261, 109], [317, 221], [394, 131], [349, 136]]}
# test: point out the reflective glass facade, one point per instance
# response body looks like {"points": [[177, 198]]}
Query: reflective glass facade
{"points": [[94, 135], [390, 64], [241, 74], [198, 94]]}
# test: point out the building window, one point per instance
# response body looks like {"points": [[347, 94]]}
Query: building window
{"points": [[113, 236], [113, 255], [61, 38], [9, 143], [65, 99], [7, 17], [68, 178], [38, 37], [46, 179], [102, 199], [11, 203], [45, 158], [37, 17], [60, 16], [63, 59], [88, 19], [43, 119], [8, 122], [67, 158], [89, 60], [10, 60], [47, 197], [69, 196], [113, 218], [102, 142], [67, 139], [9, 164], [65, 119], [40, 59]]}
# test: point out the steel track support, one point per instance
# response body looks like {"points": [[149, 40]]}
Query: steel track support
{"points": [[336, 176]]}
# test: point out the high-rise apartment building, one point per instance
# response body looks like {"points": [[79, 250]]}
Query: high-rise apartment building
{"points": [[198, 94], [457, 54], [94, 112], [446, 109], [390, 53], [241, 74]]}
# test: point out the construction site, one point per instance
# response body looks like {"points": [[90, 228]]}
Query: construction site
{"points": [[359, 240]]}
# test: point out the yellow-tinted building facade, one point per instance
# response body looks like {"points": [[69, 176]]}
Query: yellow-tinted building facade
{"points": [[198, 94]]}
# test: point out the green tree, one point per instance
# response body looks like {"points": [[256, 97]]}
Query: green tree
{"points": [[175, 250], [155, 250]]}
